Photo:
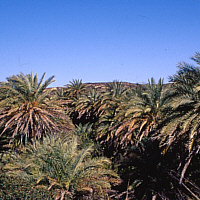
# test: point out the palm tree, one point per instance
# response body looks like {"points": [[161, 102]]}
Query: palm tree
{"points": [[144, 112], [75, 88], [28, 110], [182, 133], [58, 164], [183, 126], [89, 105], [186, 77], [71, 94], [85, 134], [115, 97], [146, 173], [116, 89]]}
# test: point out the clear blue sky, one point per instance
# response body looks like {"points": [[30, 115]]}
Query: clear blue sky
{"points": [[97, 40]]}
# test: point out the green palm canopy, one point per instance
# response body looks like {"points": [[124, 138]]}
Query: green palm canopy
{"points": [[27, 108], [60, 165]]}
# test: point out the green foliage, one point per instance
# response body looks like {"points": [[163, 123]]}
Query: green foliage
{"points": [[59, 165], [116, 89], [183, 122], [144, 112], [113, 100], [182, 126], [89, 105], [75, 88], [85, 134], [186, 77], [13, 188]]}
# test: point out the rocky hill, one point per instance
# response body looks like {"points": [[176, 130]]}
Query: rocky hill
{"points": [[103, 85]]}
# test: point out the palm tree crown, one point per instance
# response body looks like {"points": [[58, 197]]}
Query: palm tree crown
{"points": [[75, 88], [186, 77], [28, 111], [144, 112]]}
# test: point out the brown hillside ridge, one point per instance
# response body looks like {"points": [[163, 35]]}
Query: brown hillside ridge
{"points": [[102, 85]]}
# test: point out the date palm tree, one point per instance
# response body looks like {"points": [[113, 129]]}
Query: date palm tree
{"points": [[186, 77], [144, 112], [85, 134], [112, 100], [89, 106], [116, 89], [71, 94], [60, 165], [115, 96], [28, 111], [183, 127], [75, 88]]}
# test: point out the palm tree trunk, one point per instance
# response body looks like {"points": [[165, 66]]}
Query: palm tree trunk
{"points": [[185, 167], [63, 192], [127, 190], [154, 197]]}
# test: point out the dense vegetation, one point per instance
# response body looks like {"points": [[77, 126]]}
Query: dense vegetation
{"points": [[111, 142]]}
